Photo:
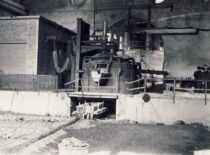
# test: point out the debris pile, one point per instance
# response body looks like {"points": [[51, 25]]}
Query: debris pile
{"points": [[74, 143], [73, 146]]}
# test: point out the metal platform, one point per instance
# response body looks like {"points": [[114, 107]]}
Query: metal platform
{"points": [[93, 95]]}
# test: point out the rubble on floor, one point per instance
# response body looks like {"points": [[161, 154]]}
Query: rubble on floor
{"points": [[16, 129], [83, 124], [73, 142]]}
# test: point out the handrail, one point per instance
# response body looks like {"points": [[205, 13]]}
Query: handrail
{"points": [[95, 87], [166, 79], [138, 88], [131, 82], [70, 82], [73, 81], [173, 82], [91, 87]]}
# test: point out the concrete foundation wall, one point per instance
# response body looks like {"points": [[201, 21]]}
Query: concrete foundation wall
{"points": [[39, 103], [190, 108]]}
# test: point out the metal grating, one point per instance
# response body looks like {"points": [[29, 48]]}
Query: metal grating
{"points": [[28, 82]]}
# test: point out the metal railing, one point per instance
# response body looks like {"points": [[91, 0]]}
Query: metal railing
{"points": [[23, 82], [71, 87], [175, 85]]}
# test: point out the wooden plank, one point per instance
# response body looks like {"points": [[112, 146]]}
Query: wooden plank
{"points": [[13, 6], [168, 31]]}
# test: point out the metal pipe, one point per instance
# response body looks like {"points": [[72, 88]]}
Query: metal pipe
{"points": [[105, 28], [94, 16], [174, 91], [145, 85], [205, 92]]}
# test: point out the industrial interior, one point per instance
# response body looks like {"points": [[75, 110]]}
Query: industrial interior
{"points": [[132, 61]]}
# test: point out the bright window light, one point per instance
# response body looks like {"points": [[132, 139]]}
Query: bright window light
{"points": [[159, 1]]}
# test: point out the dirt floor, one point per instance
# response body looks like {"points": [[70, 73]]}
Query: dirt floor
{"points": [[116, 137]]}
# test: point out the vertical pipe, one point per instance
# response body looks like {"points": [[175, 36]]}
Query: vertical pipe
{"points": [[174, 91], [147, 42], [105, 29], [149, 13], [121, 43], [125, 41], [56, 83], [116, 85], [78, 52], [118, 80], [94, 16], [145, 85], [205, 92], [38, 82]]}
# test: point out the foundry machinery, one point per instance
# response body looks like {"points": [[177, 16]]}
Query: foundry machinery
{"points": [[101, 65], [100, 60], [108, 72], [100, 73], [98, 67]]}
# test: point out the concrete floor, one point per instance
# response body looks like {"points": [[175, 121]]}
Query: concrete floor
{"points": [[115, 138]]}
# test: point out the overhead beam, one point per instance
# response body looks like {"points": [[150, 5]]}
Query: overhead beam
{"points": [[168, 31], [87, 49], [14, 7], [135, 6]]}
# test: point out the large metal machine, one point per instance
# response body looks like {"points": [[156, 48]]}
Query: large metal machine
{"points": [[107, 72], [99, 66], [102, 66], [103, 70]]}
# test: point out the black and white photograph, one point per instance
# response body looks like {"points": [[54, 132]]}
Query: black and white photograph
{"points": [[104, 77]]}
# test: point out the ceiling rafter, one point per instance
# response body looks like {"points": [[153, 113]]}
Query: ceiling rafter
{"points": [[14, 7]]}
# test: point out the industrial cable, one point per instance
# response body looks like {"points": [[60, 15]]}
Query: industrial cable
{"points": [[56, 66], [146, 64], [55, 60]]}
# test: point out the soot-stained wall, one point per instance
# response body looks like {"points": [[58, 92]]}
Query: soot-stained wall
{"points": [[182, 53]]}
